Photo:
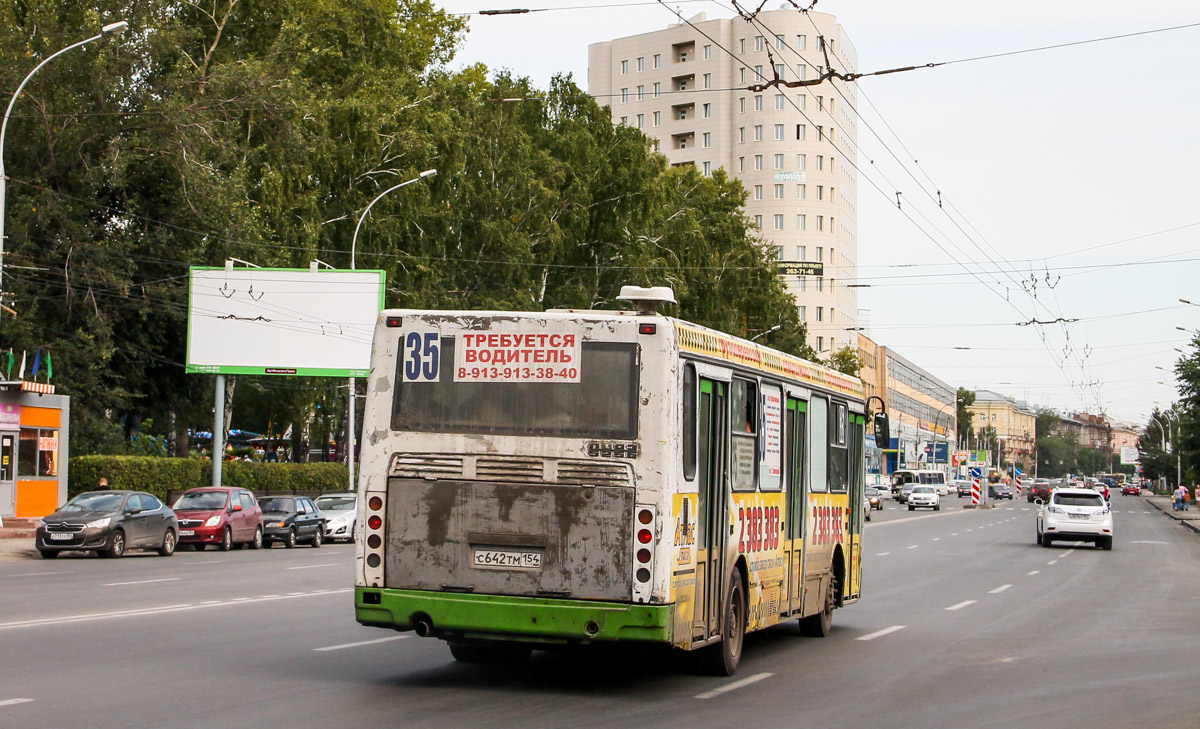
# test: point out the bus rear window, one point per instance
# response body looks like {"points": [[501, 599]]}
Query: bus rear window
{"points": [[603, 404]]}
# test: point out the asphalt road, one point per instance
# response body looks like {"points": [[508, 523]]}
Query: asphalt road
{"points": [[964, 622]]}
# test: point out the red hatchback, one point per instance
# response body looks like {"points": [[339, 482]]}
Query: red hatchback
{"points": [[221, 516]]}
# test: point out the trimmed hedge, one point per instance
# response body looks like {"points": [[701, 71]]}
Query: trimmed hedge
{"points": [[165, 477]]}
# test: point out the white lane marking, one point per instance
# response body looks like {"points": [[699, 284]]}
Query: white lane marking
{"points": [[955, 534], [734, 686], [1024, 508], [970, 530], [1140, 541], [361, 642], [206, 561], [880, 633], [1031, 574], [937, 539], [883, 554], [211, 602], [1064, 554], [913, 546], [1001, 588], [142, 582], [157, 610], [270, 595], [1053, 561], [39, 574], [14, 702], [1009, 509], [310, 566], [961, 605], [1145, 512]]}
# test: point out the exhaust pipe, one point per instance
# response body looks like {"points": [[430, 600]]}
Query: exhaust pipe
{"points": [[423, 627]]}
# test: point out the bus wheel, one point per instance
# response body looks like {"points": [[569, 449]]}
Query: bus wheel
{"points": [[819, 625], [722, 659]]}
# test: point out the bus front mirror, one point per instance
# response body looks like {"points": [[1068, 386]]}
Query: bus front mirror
{"points": [[883, 435]]}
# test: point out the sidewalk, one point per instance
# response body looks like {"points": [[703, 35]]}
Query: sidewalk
{"points": [[16, 539], [1189, 518]]}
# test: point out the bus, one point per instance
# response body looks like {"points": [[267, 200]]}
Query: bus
{"points": [[576, 477]]}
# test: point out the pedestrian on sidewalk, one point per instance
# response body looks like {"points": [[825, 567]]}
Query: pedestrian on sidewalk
{"points": [[1179, 502], [103, 485]]}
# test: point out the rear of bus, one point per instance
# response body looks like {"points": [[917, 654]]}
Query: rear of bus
{"points": [[499, 485]]}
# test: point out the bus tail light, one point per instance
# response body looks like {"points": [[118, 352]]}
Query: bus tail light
{"points": [[373, 543], [644, 528]]}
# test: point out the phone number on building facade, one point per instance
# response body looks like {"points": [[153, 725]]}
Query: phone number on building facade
{"points": [[517, 373]]}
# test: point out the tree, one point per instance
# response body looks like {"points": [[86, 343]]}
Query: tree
{"points": [[845, 360], [966, 417]]}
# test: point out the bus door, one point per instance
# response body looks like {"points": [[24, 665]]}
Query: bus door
{"points": [[712, 519], [797, 497], [855, 439]]}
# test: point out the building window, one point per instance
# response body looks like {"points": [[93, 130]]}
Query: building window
{"points": [[820, 43], [741, 134], [778, 70], [657, 89], [802, 283], [800, 101], [820, 192], [707, 169], [758, 222], [801, 161], [758, 132], [779, 161], [708, 80], [624, 120], [758, 192], [707, 108], [741, 75], [624, 67], [800, 42], [780, 100], [820, 343], [801, 71], [657, 118], [641, 120], [658, 60], [820, 253], [707, 139], [741, 164], [37, 452], [641, 92], [820, 160], [820, 133], [624, 95], [802, 310], [779, 132], [758, 102], [641, 64], [707, 53], [800, 252], [758, 42], [779, 43], [800, 226], [800, 132], [801, 191], [758, 73], [778, 226], [741, 45], [779, 196], [820, 222], [741, 104], [758, 161], [820, 285], [778, 253], [820, 103], [820, 309]]}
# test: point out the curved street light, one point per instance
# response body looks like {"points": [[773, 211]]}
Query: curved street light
{"points": [[350, 429], [107, 31], [775, 328]]}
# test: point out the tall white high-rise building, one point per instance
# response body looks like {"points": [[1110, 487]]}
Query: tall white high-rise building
{"points": [[691, 87]]}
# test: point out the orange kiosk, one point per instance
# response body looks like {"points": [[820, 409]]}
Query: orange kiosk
{"points": [[34, 431]]}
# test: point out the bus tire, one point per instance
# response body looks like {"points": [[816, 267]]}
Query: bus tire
{"points": [[722, 658], [819, 625]]}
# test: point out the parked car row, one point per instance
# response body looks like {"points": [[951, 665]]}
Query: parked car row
{"points": [[111, 522]]}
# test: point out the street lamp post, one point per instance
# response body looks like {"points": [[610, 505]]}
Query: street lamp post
{"points": [[775, 328], [352, 416], [109, 30]]}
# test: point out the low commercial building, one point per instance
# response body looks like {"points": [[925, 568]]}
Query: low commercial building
{"points": [[34, 434]]}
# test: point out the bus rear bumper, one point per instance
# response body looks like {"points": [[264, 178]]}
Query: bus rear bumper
{"points": [[467, 616]]}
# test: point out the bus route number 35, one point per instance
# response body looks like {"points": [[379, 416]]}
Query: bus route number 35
{"points": [[422, 356]]}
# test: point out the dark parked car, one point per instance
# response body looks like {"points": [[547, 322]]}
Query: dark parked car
{"points": [[219, 515], [1000, 491], [291, 519], [109, 522]]}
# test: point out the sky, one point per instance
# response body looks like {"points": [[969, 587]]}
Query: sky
{"points": [[1074, 167]]}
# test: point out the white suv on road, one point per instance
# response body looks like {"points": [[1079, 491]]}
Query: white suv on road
{"points": [[925, 497], [1075, 515]]}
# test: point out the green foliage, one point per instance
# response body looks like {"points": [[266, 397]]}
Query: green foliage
{"points": [[966, 418], [164, 476], [845, 360]]}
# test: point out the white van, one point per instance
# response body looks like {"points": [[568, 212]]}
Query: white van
{"points": [[904, 477]]}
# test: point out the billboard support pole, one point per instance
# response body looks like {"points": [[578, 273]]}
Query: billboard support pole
{"points": [[218, 431]]}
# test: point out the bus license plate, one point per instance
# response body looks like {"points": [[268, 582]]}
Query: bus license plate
{"points": [[505, 559]]}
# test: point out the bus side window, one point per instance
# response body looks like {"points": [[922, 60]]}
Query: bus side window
{"points": [[744, 419], [839, 456], [689, 421], [818, 444]]}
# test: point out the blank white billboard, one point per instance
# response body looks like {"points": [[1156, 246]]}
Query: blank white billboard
{"points": [[260, 321]]}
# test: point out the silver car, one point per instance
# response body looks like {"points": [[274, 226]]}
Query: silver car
{"points": [[925, 497]]}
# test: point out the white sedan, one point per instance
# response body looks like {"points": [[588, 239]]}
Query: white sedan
{"points": [[925, 497], [1075, 515], [339, 510]]}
